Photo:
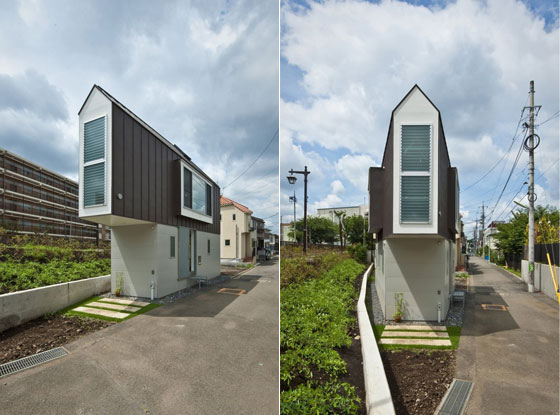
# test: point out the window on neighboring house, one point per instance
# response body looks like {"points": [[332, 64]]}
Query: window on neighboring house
{"points": [[415, 173], [94, 162], [227, 242], [234, 216], [197, 194], [172, 247]]}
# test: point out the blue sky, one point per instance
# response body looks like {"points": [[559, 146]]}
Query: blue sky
{"points": [[202, 73], [345, 65]]}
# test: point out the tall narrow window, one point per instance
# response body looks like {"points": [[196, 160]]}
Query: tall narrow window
{"points": [[187, 190], [172, 247], [94, 162], [197, 194], [415, 174], [208, 245]]}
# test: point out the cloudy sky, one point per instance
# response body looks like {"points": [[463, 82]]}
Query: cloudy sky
{"points": [[202, 73], [346, 64]]}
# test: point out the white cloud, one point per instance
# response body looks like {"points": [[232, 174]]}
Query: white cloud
{"points": [[355, 168], [330, 201], [337, 187]]}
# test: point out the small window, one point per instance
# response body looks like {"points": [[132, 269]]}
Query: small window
{"points": [[234, 216], [208, 245], [172, 247], [227, 242]]}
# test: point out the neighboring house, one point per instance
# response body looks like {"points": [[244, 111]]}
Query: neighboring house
{"points": [[285, 229], [414, 200], [162, 208], [489, 232], [361, 210], [236, 226], [258, 237], [37, 200]]}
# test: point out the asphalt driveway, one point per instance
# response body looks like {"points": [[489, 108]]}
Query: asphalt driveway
{"points": [[512, 355], [208, 353]]}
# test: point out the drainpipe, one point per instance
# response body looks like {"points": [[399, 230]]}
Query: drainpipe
{"points": [[152, 287], [439, 312]]}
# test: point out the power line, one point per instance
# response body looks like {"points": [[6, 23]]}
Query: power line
{"points": [[511, 145], [251, 165], [553, 116], [270, 216]]}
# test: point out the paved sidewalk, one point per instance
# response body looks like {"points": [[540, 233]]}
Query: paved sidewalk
{"points": [[208, 353], [511, 356]]}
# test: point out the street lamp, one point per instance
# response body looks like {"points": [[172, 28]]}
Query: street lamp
{"points": [[292, 180], [294, 200]]}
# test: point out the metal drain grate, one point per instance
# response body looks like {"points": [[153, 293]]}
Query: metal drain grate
{"points": [[496, 307], [30, 361], [455, 400]]}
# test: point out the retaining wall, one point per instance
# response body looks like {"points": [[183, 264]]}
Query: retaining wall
{"points": [[543, 281], [21, 306], [378, 395]]}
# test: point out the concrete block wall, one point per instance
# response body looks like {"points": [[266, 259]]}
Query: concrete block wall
{"points": [[22, 306], [543, 281]]}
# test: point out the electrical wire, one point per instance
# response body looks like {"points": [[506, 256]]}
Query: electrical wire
{"points": [[547, 120], [251, 165], [507, 181], [504, 156]]}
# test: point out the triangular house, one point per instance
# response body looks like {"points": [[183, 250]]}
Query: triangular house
{"points": [[414, 201]]}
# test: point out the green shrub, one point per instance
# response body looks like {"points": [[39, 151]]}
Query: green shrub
{"points": [[315, 316], [312, 399], [358, 252]]}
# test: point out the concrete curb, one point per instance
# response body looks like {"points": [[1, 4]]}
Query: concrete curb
{"points": [[21, 306], [378, 395]]}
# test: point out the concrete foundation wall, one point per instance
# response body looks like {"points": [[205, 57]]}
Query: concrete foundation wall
{"points": [[22, 306], [543, 280], [419, 268], [142, 253]]}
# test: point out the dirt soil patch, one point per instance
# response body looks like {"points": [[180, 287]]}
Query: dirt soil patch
{"points": [[45, 333], [354, 364], [418, 379]]}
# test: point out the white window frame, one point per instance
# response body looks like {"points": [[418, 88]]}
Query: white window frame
{"points": [[188, 212], [416, 173], [97, 161]]}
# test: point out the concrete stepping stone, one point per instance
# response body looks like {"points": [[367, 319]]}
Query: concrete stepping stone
{"points": [[414, 334], [105, 313], [414, 327], [417, 342], [124, 301], [118, 307]]}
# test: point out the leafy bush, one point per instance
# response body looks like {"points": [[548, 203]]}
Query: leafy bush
{"points": [[358, 252], [315, 316], [330, 398]]}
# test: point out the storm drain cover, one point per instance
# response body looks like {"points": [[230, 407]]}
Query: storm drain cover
{"points": [[30, 361], [234, 291], [455, 400], [497, 307]]}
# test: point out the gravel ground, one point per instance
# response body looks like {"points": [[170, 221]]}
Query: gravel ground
{"points": [[454, 315]]}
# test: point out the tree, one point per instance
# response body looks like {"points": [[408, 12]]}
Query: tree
{"points": [[340, 214], [354, 227], [319, 230]]}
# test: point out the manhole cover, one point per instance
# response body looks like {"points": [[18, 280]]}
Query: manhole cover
{"points": [[30, 361], [497, 307], [234, 291]]}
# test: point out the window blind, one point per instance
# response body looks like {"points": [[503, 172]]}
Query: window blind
{"points": [[415, 148], [94, 140], [415, 199], [94, 184]]}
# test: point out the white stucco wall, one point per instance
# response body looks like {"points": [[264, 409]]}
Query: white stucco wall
{"points": [[418, 268], [137, 250], [416, 110]]}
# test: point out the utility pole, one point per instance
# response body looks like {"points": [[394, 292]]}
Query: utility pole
{"points": [[531, 285], [482, 222], [475, 236]]}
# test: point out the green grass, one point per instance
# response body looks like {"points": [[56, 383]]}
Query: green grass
{"points": [[513, 271], [453, 332], [463, 275], [69, 310]]}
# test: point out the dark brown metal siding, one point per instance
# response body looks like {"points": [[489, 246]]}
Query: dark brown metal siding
{"points": [[451, 192], [442, 196], [376, 196], [388, 208], [144, 172]]}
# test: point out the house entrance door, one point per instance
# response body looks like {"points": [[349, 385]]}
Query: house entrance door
{"points": [[187, 252]]}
